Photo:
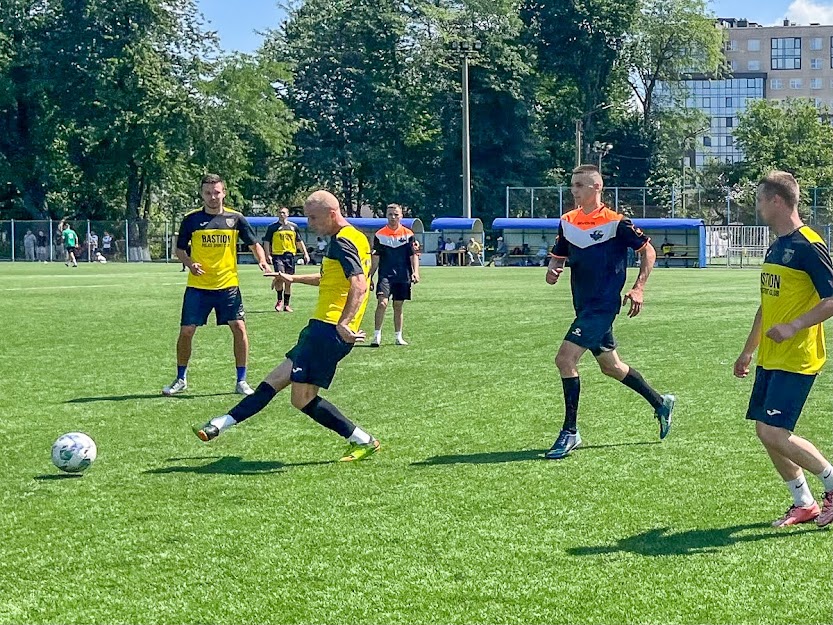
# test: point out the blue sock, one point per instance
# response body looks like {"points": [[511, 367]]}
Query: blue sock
{"points": [[241, 374], [180, 371]]}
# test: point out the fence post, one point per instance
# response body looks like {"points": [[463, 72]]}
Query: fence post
{"points": [[616, 199], [532, 201], [673, 200], [815, 205], [89, 251], [167, 243], [560, 200], [126, 241], [51, 242], [12, 240], [728, 209], [644, 201], [507, 201]]}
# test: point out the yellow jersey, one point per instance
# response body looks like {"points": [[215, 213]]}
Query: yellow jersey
{"points": [[347, 255], [797, 273], [212, 241], [283, 238]]}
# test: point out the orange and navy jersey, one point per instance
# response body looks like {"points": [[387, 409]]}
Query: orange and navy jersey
{"points": [[796, 275], [394, 249], [596, 247], [283, 238], [212, 241]]}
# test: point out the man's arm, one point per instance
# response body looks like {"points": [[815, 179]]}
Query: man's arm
{"points": [[194, 268], [741, 368], [257, 250], [304, 251], [355, 296], [414, 267], [555, 269], [647, 258], [374, 266], [267, 249], [820, 313], [311, 279]]}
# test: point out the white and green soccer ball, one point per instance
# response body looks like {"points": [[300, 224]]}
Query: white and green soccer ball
{"points": [[73, 452]]}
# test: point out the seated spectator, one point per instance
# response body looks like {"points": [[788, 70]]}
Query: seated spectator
{"points": [[319, 251], [499, 257], [667, 249], [543, 252], [516, 251], [450, 247], [440, 255], [461, 244], [474, 250]]}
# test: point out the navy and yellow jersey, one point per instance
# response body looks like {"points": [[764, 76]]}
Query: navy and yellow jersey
{"points": [[596, 246], [796, 275], [212, 240], [347, 255], [283, 238], [395, 249]]}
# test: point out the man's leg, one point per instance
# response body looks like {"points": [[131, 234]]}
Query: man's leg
{"points": [[72, 259], [241, 348], [287, 294], [381, 308], [183, 356], [398, 320], [566, 361], [612, 366]]}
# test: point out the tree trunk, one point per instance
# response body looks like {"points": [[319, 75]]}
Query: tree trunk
{"points": [[137, 223]]}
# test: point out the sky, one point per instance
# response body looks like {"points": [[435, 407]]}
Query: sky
{"points": [[236, 22]]}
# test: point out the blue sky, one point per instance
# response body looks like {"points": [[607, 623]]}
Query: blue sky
{"points": [[237, 21]]}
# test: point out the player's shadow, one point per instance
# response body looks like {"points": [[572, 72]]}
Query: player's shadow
{"points": [[660, 542], [232, 465], [498, 457], [51, 477], [88, 400]]}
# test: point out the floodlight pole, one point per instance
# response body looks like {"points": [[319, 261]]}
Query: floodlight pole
{"points": [[466, 142]]}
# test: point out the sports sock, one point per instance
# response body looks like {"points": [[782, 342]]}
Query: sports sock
{"points": [[360, 436], [181, 371], [377, 336], [635, 381], [572, 390], [286, 297], [324, 413], [252, 404], [826, 476], [223, 423], [280, 296], [398, 336], [800, 492], [241, 374]]}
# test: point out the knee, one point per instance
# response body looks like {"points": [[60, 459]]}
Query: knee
{"points": [[613, 369], [299, 399], [187, 331], [238, 328], [771, 437], [383, 303], [565, 363]]}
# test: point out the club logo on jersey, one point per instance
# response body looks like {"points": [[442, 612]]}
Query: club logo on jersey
{"points": [[788, 256], [230, 222], [596, 235]]}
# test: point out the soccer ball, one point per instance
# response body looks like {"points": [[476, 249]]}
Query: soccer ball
{"points": [[73, 452]]}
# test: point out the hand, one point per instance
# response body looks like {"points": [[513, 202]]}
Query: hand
{"points": [[636, 298], [781, 332], [415, 278], [554, 274], [279, 276], [306, 259], [264, 266], [196, 269], [741, 369], [348, 336]]}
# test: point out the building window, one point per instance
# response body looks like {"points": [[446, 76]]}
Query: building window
{"points": [[815, 83], [753, 66], [815, 43], [815, 64], [707, 103], [777, 83], [733, 65], [731, 46], [786, 53], [753, 45], [707, 142], [730, 140], [729, 122], [729, 102], [796, 83]]}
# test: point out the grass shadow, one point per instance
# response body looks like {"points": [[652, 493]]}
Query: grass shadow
{"points": [[499, 457], [88, 400], [662, 542], [58, 476], [233, 465]]}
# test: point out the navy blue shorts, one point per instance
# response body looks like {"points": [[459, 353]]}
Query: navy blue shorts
{"points": [[284, 262], [398, 291], [594, 332], [197, 304], [317, 354], [778, 397]]}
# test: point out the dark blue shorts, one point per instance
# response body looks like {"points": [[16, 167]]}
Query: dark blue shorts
{"points": [[778, 397], [317, 354], [197, 304], [398, 291], [284, 262], [594, 332]]}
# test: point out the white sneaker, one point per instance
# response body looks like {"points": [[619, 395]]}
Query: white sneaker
{"points": [[401, 341], [178, 386], [243, 388]]}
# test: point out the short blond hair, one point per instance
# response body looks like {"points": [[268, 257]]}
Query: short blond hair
{"points": [[782, 184]]}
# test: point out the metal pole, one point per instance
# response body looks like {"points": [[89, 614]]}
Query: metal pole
{"points": [[673, 200], [682, 201], [89, 251], [560, 201], [12, 240], [507, 202], [51, 243], [167, 243], [616, 198], [532, 202], [644, 201], [126, 241], [466, 148], [579, 128]]}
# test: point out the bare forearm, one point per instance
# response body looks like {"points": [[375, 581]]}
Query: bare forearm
{"points": [[183, 257], [415, 264], [754, 338], [358, 289], [647, 258], [257, 250], [374, 266], [313, 279], [557, 263], [820, 313], [304, 250]]}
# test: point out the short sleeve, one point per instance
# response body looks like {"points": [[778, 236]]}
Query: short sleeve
{"points": [[183, 239], [297, 234], [247, 235], [561, 249], [631, 236], [267, 238], [411, 245], [816, 263], [378, 248], [348, 255]]}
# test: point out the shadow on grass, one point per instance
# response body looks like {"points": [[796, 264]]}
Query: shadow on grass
{"points": [[57, 476], [88, 400], [659, 542], [498, 457], [233, 465]]}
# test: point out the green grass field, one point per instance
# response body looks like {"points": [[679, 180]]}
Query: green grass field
{"points": [[457, 520]]}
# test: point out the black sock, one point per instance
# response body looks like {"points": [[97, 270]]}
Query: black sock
{"points": [[635, 381], [572, 389], [252, 404], [286, 297], [280, 296], [329, 416]]}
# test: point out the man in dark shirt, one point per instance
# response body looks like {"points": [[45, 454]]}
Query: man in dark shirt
{"points": [[595, 240]]}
